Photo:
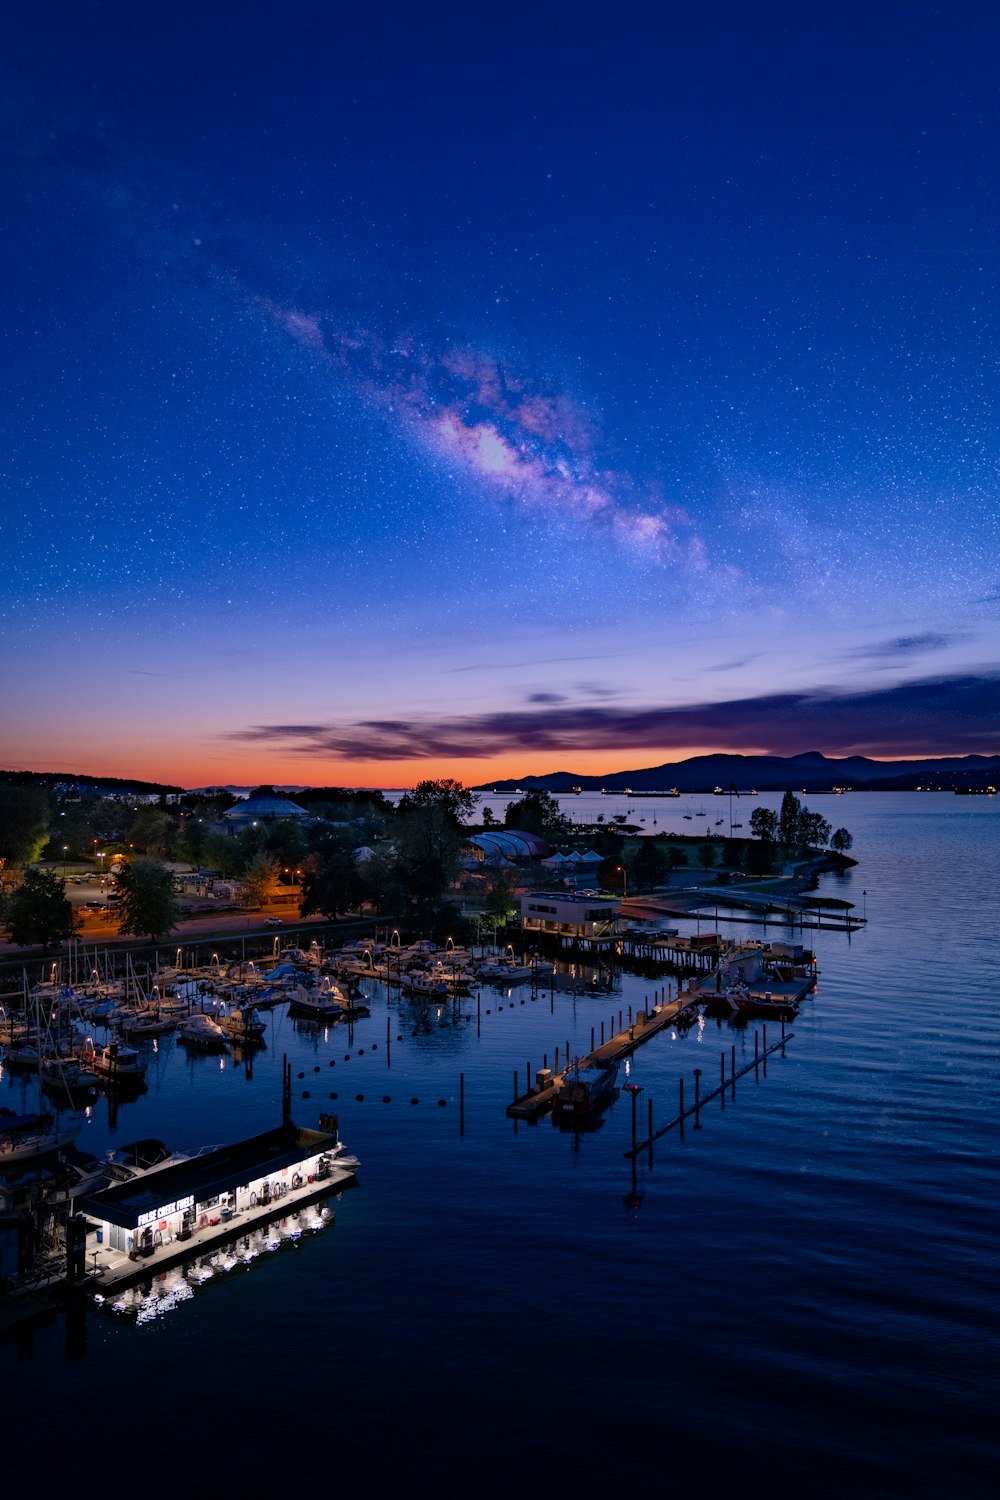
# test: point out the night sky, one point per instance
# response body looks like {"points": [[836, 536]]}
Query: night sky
{"points": [[396, 391]]}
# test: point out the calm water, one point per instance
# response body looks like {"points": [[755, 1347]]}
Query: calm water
{"points": [[802, 1295]]}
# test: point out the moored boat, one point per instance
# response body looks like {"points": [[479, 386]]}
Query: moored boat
{"points": [[201, 1031], [586, 1090], [242, 1024], [119, 1068]]}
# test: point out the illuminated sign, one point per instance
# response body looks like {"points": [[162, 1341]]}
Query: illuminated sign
{"points": [[165, 1211]]}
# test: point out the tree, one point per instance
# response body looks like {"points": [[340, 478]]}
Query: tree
{"points": [[499, 904], [332, 881], [153, 831], [378, 877], [39, 911], [259, 879], [788, 820], [537, 812], [764, 825], [429, 852], [457, 801], [814, 830], [145, 896], [489, 817], [650, 865], [841, 841], [706, 856], [24, 822]]}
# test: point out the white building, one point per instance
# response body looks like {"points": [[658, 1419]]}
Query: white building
{"points": [[569, 914]]}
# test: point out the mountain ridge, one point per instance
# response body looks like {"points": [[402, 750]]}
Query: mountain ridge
{"points": [[810, 771]]}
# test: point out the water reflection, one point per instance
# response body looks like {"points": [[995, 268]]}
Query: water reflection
{"points": [[155, 1298]]}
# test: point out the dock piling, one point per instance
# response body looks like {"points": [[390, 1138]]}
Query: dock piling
{"points": [[697, 1098]]}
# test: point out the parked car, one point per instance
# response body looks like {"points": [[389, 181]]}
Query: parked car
{"points": [[273, 922]]}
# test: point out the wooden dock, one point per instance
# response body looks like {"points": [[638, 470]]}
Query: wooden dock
{"points": [[646, 1024]]}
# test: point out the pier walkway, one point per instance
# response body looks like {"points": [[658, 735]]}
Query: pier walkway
{"points": [[646, 1024]]}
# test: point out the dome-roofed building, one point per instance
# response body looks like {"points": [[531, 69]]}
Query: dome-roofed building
{"points": [[501, 846], [265, 802]]}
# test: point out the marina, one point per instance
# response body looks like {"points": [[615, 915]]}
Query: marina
{"points": [[490, 1220]]}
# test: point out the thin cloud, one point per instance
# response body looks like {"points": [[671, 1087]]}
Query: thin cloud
{"points": [[938, 716], [902, 647]]}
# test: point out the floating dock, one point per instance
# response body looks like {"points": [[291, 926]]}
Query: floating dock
{"points": [[111, 1269], [646, 1024]]}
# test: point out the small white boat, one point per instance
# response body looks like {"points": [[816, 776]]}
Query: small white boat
{"points": [[502, 972], [419, 982], [143, 1023], [324, 1004], [201, 1031]]}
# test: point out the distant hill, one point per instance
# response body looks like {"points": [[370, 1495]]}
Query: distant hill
{"points": [[98, 783], [810, 772]]}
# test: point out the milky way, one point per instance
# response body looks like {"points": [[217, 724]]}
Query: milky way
{"points": [[527, 443]]}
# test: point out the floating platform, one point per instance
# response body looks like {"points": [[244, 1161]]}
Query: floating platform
{"points": [[647, 1024]]}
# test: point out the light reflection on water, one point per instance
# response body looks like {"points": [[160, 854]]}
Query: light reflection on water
{"points": [[804, 1284]]}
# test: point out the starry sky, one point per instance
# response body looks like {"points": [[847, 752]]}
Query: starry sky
{"points": [[404, 390]]}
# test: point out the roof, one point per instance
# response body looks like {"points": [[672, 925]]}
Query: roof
{"points": [[264, 805], [206, 1176], [499, 844]]}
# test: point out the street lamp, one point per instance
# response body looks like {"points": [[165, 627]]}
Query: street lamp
{"points": [[65, 852], [624, 875]]}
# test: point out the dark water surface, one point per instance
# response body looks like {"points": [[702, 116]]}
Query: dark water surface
{"points": [[800, 1296]]}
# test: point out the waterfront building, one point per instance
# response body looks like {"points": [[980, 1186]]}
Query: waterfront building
{"points": [[156, 1208], [569, 914]]}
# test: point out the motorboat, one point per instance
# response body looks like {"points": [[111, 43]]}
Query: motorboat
{"points": [[118, 1067], [201, 1031], [325, 1004], [144, 1023], [420, 982], [502, 972], [242, 1024], [759, 1007], [586, 1090]]}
